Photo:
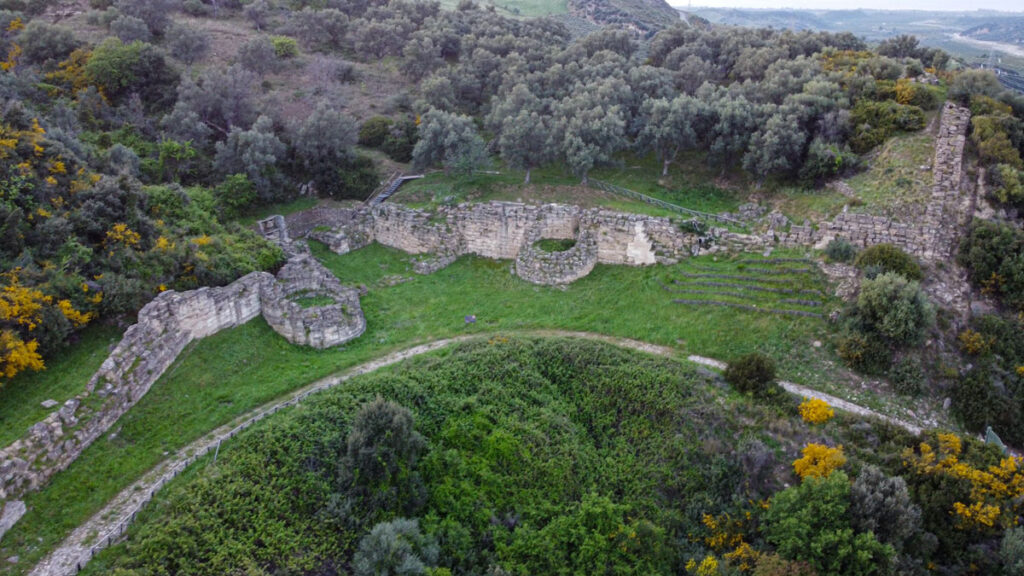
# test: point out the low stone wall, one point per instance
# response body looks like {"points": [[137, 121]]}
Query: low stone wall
{"points": [[165, 326]]}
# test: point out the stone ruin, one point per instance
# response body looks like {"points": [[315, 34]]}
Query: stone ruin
{"points": [[317, 326], [500, 230], [506, 231], [165, 326], [934, 237]]}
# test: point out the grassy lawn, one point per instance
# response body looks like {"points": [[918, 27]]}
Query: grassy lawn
{"points": [[895, 182], [66, 374], [894, 185], [224, 376], [685, 186]]}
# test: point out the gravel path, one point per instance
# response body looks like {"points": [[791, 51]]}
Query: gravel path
{"points": [[107, 525], [810, 393]]}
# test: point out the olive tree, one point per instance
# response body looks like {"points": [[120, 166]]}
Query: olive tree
{"points": [[155, 13], [588, 132], [450, 140], [669, 126], [524, 130], [187, 44], [323, 144], [256, 152]]}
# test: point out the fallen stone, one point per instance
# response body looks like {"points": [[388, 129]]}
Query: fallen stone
{"points": [[13, 511], [49, 403]]}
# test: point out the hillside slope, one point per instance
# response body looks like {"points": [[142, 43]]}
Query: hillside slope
{"points": [[643, 16]]}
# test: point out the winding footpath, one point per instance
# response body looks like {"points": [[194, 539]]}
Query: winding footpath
{"points": [[107, 525]]}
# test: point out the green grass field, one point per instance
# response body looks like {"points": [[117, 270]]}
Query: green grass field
{"points": [[66, 374], [685, 186], [226, 375]]}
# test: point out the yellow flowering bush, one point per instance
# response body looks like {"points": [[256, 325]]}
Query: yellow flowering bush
{"points": [[819, 461], [816, 411], [997, 492]]}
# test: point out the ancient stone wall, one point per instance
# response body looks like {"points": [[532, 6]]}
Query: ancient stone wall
{"points": [[934, 236], [502, 230], [541, 267], [165, 326], [321, 326]]}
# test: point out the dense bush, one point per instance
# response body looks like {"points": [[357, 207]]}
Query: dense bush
{"points": [[374, 131], [840, 250], [395, 547], [355, 179], [994, 254], [875, 122], [976, 400], [401, 140], [894, 308], [811, 523], [907, 376], [46, 44], [122, 69], [284, 47], [889, 258], [751, 374], [130, 29], [865, 353], [524, 486]]}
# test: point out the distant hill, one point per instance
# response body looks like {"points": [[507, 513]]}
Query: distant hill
{"points": [[1006, 30], [958, 33]]}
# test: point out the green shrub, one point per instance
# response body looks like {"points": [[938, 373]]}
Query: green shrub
{"points": [[976, 400], [356, 179], [395, 547], [874, 122], [235, 193], [994, 254], [751, 374], [401, 141], [810, 522], [839, 250], [889, 258], [865, 353], [894, 308], [284, 47], [907, 376], [374, 131]]}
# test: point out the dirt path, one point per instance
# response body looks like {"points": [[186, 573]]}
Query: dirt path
{"points": [[107, 525]]}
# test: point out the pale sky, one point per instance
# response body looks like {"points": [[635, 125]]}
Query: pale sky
{"points": [[955, 5]]}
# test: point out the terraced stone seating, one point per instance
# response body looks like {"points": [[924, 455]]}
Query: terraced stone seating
{"points": [[786, 286]]}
